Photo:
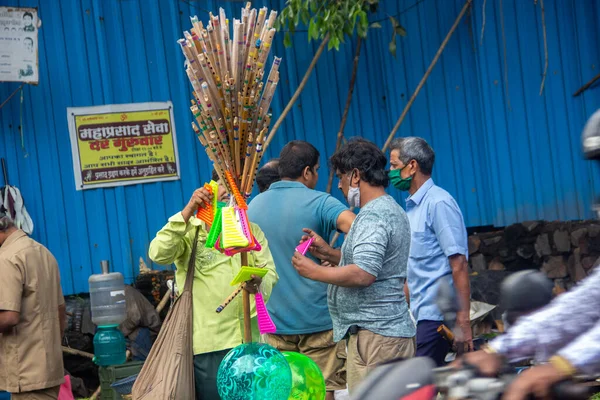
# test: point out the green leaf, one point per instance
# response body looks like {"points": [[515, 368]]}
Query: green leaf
{"points": [[313, 31], [313, 7], [392, 45], [305, 16], [373, 2], [348, 30], [375, 25], [287, 40], [363, 19], [334, 42], [399, 29]]}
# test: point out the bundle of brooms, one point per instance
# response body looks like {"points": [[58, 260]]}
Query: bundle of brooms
{"points": [[231, 108], [231, 100]]}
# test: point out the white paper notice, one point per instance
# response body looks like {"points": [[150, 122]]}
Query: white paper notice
{"points": [[19, 45]]}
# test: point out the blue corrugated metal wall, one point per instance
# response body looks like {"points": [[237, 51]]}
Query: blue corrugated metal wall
{"points": [[503, 162]]}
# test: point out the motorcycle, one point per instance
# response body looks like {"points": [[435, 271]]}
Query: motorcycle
{"points": [[419, 379]]}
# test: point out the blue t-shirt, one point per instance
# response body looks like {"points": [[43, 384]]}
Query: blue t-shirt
{"points": [[297, 305]]}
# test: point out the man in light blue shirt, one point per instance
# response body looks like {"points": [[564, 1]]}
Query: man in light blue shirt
{"points": [[438, 246], [298, 306]]}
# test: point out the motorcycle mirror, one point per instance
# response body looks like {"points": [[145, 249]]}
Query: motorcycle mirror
{"points": [[406, 379]]}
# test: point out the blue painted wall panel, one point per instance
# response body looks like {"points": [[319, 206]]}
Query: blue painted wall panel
{"points": [[503, 162]]}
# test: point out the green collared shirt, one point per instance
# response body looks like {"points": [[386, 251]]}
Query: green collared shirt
{"points": [[214, 272]]}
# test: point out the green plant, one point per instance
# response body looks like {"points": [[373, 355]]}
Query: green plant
{"points": [[329, 21], [333, 19]]}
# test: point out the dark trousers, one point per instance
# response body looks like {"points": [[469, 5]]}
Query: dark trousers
{"points": [[206, 367], [430, 343]]}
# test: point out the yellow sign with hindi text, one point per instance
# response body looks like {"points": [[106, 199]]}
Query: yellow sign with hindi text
{"points": [[123, 144]]}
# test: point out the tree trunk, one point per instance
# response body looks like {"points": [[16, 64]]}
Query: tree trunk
{"points": [[340, 134], [299, 90]]}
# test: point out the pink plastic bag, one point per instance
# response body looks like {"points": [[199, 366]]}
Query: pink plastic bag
{"points": [[66, 392]]}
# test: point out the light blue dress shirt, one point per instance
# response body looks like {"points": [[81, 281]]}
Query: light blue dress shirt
{"points": [[437, 232]]}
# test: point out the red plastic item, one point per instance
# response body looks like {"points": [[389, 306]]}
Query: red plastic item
{"points": [[206, 212], [239, 199]]}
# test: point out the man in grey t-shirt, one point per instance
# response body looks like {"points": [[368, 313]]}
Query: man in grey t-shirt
{"points": [[365, 295]]}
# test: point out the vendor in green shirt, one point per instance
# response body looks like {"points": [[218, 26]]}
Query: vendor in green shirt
{"points": [[214, 334]]}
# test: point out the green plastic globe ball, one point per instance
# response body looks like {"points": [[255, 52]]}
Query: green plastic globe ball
{"points": [[307, 379], [254, 371]]}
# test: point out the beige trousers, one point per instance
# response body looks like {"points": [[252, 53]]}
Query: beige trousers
{"points": [[367, 350], [44, 394]]}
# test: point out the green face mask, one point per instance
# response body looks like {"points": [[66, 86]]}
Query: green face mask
{"points": [[397, 181]]}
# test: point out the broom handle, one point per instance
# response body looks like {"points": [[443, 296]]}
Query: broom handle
{"points": [[246, 306]]}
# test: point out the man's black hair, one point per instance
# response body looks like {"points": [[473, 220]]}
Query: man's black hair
{"points": [[267, 175], [295, 156], [360, 154], [26, 14]]}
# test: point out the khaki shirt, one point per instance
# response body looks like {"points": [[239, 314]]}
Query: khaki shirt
{"points": [[31, 354]]}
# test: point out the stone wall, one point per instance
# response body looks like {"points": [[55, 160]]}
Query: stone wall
{"points": [[565, 251]]}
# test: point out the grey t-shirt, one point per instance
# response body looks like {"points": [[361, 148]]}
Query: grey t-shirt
{"points": [[378, 243]]}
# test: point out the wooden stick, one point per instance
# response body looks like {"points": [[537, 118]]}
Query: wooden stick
{"points": [[586, 86], [85, 354], [427, 73], [346, 108], [76, 352], [545, 47], [164, 301], [96, 393], [299, 90], [230, 298], [246, 307], [258, 154], [237, 291]]}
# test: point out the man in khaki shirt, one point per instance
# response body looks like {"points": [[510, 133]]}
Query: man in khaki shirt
{"points": [[32, 317]]}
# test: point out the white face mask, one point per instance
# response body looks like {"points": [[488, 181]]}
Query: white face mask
{"points": [[353, 195]]}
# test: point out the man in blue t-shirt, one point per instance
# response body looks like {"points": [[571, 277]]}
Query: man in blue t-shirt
{"points": [[298, 305]]}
